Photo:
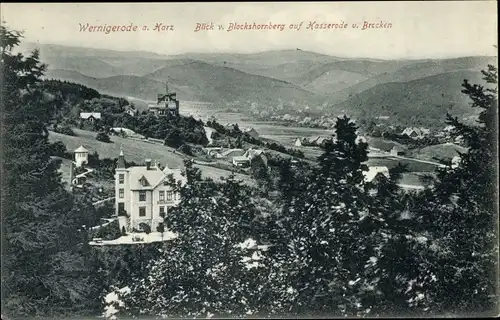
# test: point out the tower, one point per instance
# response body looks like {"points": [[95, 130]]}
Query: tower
{"points": [[122, 191], [81, 156]]}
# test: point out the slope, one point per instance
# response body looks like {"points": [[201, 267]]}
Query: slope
{"points": [[418, 70], [219, 83], [413, 101]]}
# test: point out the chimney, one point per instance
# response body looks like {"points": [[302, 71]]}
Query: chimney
{"points": [[148, 164], [166, 88]]}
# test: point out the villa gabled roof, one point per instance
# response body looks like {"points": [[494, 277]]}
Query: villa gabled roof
{"points": [[154, 176]]}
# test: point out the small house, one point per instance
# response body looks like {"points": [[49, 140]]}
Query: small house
{"points": [[299, 142], [251, 132], [90, 116], [320, 141], [241, 161], [397, 151], [455, 162], [374, 172], [416, 133], [81, 156], [131, 111], [252, 154]]}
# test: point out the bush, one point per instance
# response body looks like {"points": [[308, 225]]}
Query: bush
{"points": [[102, 136], [64, 129], [186, 149], [59, 149]]}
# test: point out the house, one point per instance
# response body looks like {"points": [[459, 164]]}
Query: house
{"points": [[81, 156], [299, 142], [212, 151], [90, 116], [374, 172], [252, 132], [166, 104], [144, 195], [230, 153], [397, 151], [131, 111], [416, 133], [317, 141], [320, 140], [252, 154], [455, 162], [241, 161], [247, 158], [360, 139]]}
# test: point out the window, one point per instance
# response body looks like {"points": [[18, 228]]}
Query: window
{"points": [[162, 195], [165, 183], [120, 193], [142, 211], [142, 195], [162, 211], [121, 178], [169, 195], [175, 195]]}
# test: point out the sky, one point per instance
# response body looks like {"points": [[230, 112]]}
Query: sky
{"points": [[414, 29]]}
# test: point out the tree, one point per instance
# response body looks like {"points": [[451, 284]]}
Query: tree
{"points": [[102, 136], [206, 274], [462, 215], [173, 138], [260, 173], [44, 271]]}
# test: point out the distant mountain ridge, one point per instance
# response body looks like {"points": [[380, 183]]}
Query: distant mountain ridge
{"points": [[295, 78]]}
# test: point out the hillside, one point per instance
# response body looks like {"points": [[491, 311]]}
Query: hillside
{"points": [[413, 101], [260, 59], [122, 85], [217, 83], [441, 151], [136, 151], [418, 70], [54, 50], [276, 82]]}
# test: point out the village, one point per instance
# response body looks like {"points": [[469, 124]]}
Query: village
{"points": [[143, 194]]}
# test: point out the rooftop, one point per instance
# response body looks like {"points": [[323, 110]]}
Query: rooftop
{"points": [[154, 176], [81, 149]]}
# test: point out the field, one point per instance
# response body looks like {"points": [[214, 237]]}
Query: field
{"points": [[285, 135], [136, 151], [413, 166], [445, 151]]}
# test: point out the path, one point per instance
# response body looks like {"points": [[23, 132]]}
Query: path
{"points": [[110, 220], [422, 161], [81, 175], [103, 200]]}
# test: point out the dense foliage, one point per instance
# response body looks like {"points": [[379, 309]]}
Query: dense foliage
{"points": [[44, 271], [330, 243]]}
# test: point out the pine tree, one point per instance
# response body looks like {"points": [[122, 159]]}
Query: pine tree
{"points": [[318, 250], [43, 271], [461, 214]]}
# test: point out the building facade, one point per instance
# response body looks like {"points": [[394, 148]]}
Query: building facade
{"points": [[81, 156], [144, 194], [167, 104]]}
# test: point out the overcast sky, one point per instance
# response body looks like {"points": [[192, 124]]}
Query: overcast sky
{"points": [[419, 29]]}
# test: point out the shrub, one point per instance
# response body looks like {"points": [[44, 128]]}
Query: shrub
{"points": [[102, 136], [186, 149], [64, 129]]}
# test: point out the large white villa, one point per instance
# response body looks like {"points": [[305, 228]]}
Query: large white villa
{"points": [[144, 194]]}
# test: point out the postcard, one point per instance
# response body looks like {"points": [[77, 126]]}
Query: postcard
{"points": [[249, 159]]}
